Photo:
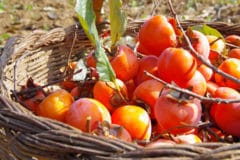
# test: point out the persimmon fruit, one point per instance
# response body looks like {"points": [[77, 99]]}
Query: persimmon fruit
{"points": [[85, 113], [230, 66], [176, 116], [151, 36], [135, 119], [108, 94], [125, 63], [55, 105], [176, 65]]}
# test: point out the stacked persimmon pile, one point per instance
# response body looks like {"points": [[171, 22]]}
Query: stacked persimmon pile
{"points": [[149, 103]]}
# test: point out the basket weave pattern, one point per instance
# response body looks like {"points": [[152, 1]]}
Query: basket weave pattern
{"points": [[24, 135]]}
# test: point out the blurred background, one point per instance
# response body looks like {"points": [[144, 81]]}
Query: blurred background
{"points": [[20, 17]]}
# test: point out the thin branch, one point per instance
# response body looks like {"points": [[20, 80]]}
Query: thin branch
{"points": [[71, 49], [232, 45], [29, 90], [156, 4], [195, 53], [190, 93]]}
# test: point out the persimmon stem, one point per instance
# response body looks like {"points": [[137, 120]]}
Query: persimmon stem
{"points": [[71, 49], [118, 90], [88, 124], [232, 45], [210, 131]]}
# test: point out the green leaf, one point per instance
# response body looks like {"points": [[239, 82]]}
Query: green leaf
{"points": [[117, 20], [86, 15], [104, 68], [207, 30]]}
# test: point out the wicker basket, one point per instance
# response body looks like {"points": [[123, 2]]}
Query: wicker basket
{"points": [[25, 136]]}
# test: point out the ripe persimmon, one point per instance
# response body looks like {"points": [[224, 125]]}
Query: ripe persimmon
{"points": [[55, 105], [33, 99], [147, 63], [176, 116], [234, 53], [211, 87], [160, 142], [205, 71], [197, 84], [135, 119], [200, 43], [148, 92], [33, 103], [187, 139], [227, 116], [85, 113], [125, 63], [131, 86], [224, 93], [76, 92], [232, 67], [155, 35], [217, 47], [176, 65], [68, 85], [90, 60], [107, 93], [233, 39]]}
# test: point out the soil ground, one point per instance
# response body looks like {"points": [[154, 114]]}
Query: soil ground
{"points": [[22, 17]]}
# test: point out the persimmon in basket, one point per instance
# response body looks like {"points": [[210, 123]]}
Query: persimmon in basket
{"points": [[227, 116], [177, 116], [55, 105], [85, 113], [135, 119], [155, 35]]}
